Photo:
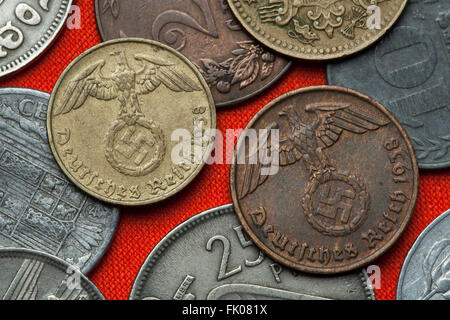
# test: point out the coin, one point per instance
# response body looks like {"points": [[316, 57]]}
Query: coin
{"points": [[317, 29], [425, 272], [210, 257], [327, 181], [234, 65], [115, 116], [39, 208], [33, 275], [27, 28], [409, 73]]}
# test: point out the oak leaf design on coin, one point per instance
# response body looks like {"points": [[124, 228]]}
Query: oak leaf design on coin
{"points": [[125, 85]]}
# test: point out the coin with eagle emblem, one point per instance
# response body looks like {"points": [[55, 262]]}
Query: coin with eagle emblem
{"points": [[324, 179], [131, 121], [189, 263], [317, 29], [235, 66]]}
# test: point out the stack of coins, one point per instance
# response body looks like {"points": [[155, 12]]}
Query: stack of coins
{"points": [[323, 179]]}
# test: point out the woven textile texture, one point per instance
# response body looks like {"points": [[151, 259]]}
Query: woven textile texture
{"points": [[139, 230]]}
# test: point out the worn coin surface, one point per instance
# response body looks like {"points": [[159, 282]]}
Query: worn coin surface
{"points": [[324, 179], [317, 29], [409, 73], [210, 257], [33, 275], [39, 208], [118, 112], [235, 66], [426, 270], [27, 28]]}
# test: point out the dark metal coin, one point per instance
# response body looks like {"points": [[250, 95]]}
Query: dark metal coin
{"points": [[39, 208], [210, 257], [235, 66], [425, 272], [409, 73], [327, 182], [27, 28], [32, 275]]}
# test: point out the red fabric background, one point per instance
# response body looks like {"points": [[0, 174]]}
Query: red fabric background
{"points": [[139, 230]]}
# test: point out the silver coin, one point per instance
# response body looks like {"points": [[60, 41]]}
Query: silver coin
{"points": [[425, 274], [27, 27], [39, 208], [32, 275], [210, 257]]}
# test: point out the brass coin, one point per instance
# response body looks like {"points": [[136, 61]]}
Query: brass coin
{"points": [[317, 29], [113, 114], [331, 183], [235, 66]]}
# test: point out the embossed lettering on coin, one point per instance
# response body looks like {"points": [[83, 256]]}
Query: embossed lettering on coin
{"points": [[346, 185], [27, 28], [411, 69], [33, 275], [317, 29], [39, 208], [210, 257], [426, 270], [234, 65], [112, 116]]}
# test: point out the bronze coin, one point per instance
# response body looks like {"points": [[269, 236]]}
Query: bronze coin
{"points": [[235, 66], [324, 179], [113, 114], [317, 29]]}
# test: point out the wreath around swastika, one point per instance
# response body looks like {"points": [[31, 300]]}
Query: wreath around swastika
{"points": [[149, 166], [362, 194]]}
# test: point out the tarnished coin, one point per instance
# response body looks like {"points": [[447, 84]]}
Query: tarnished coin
{"points": [[113, 116], [324, 179], [317, 29], [234, 65], [426, 270], [32, 275], [27, 28], [39, 208], [209, 257], [409, 73]]}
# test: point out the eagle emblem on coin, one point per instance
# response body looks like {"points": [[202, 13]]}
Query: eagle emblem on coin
{"points": [[125, 85]]}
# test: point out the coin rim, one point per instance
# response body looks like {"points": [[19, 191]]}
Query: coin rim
{"points": [[184, 227], [27, 58], [225, 104], [316, 57], [426, 166], [182, 185], [54, 261], [413, 249], [358, 263], [115, 211]]}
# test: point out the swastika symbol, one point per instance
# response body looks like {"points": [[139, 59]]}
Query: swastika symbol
{"points": [[137, 146], [333, 204]]}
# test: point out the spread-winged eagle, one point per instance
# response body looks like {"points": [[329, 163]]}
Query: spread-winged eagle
{"points": [[307, 142], [124, 84]]}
